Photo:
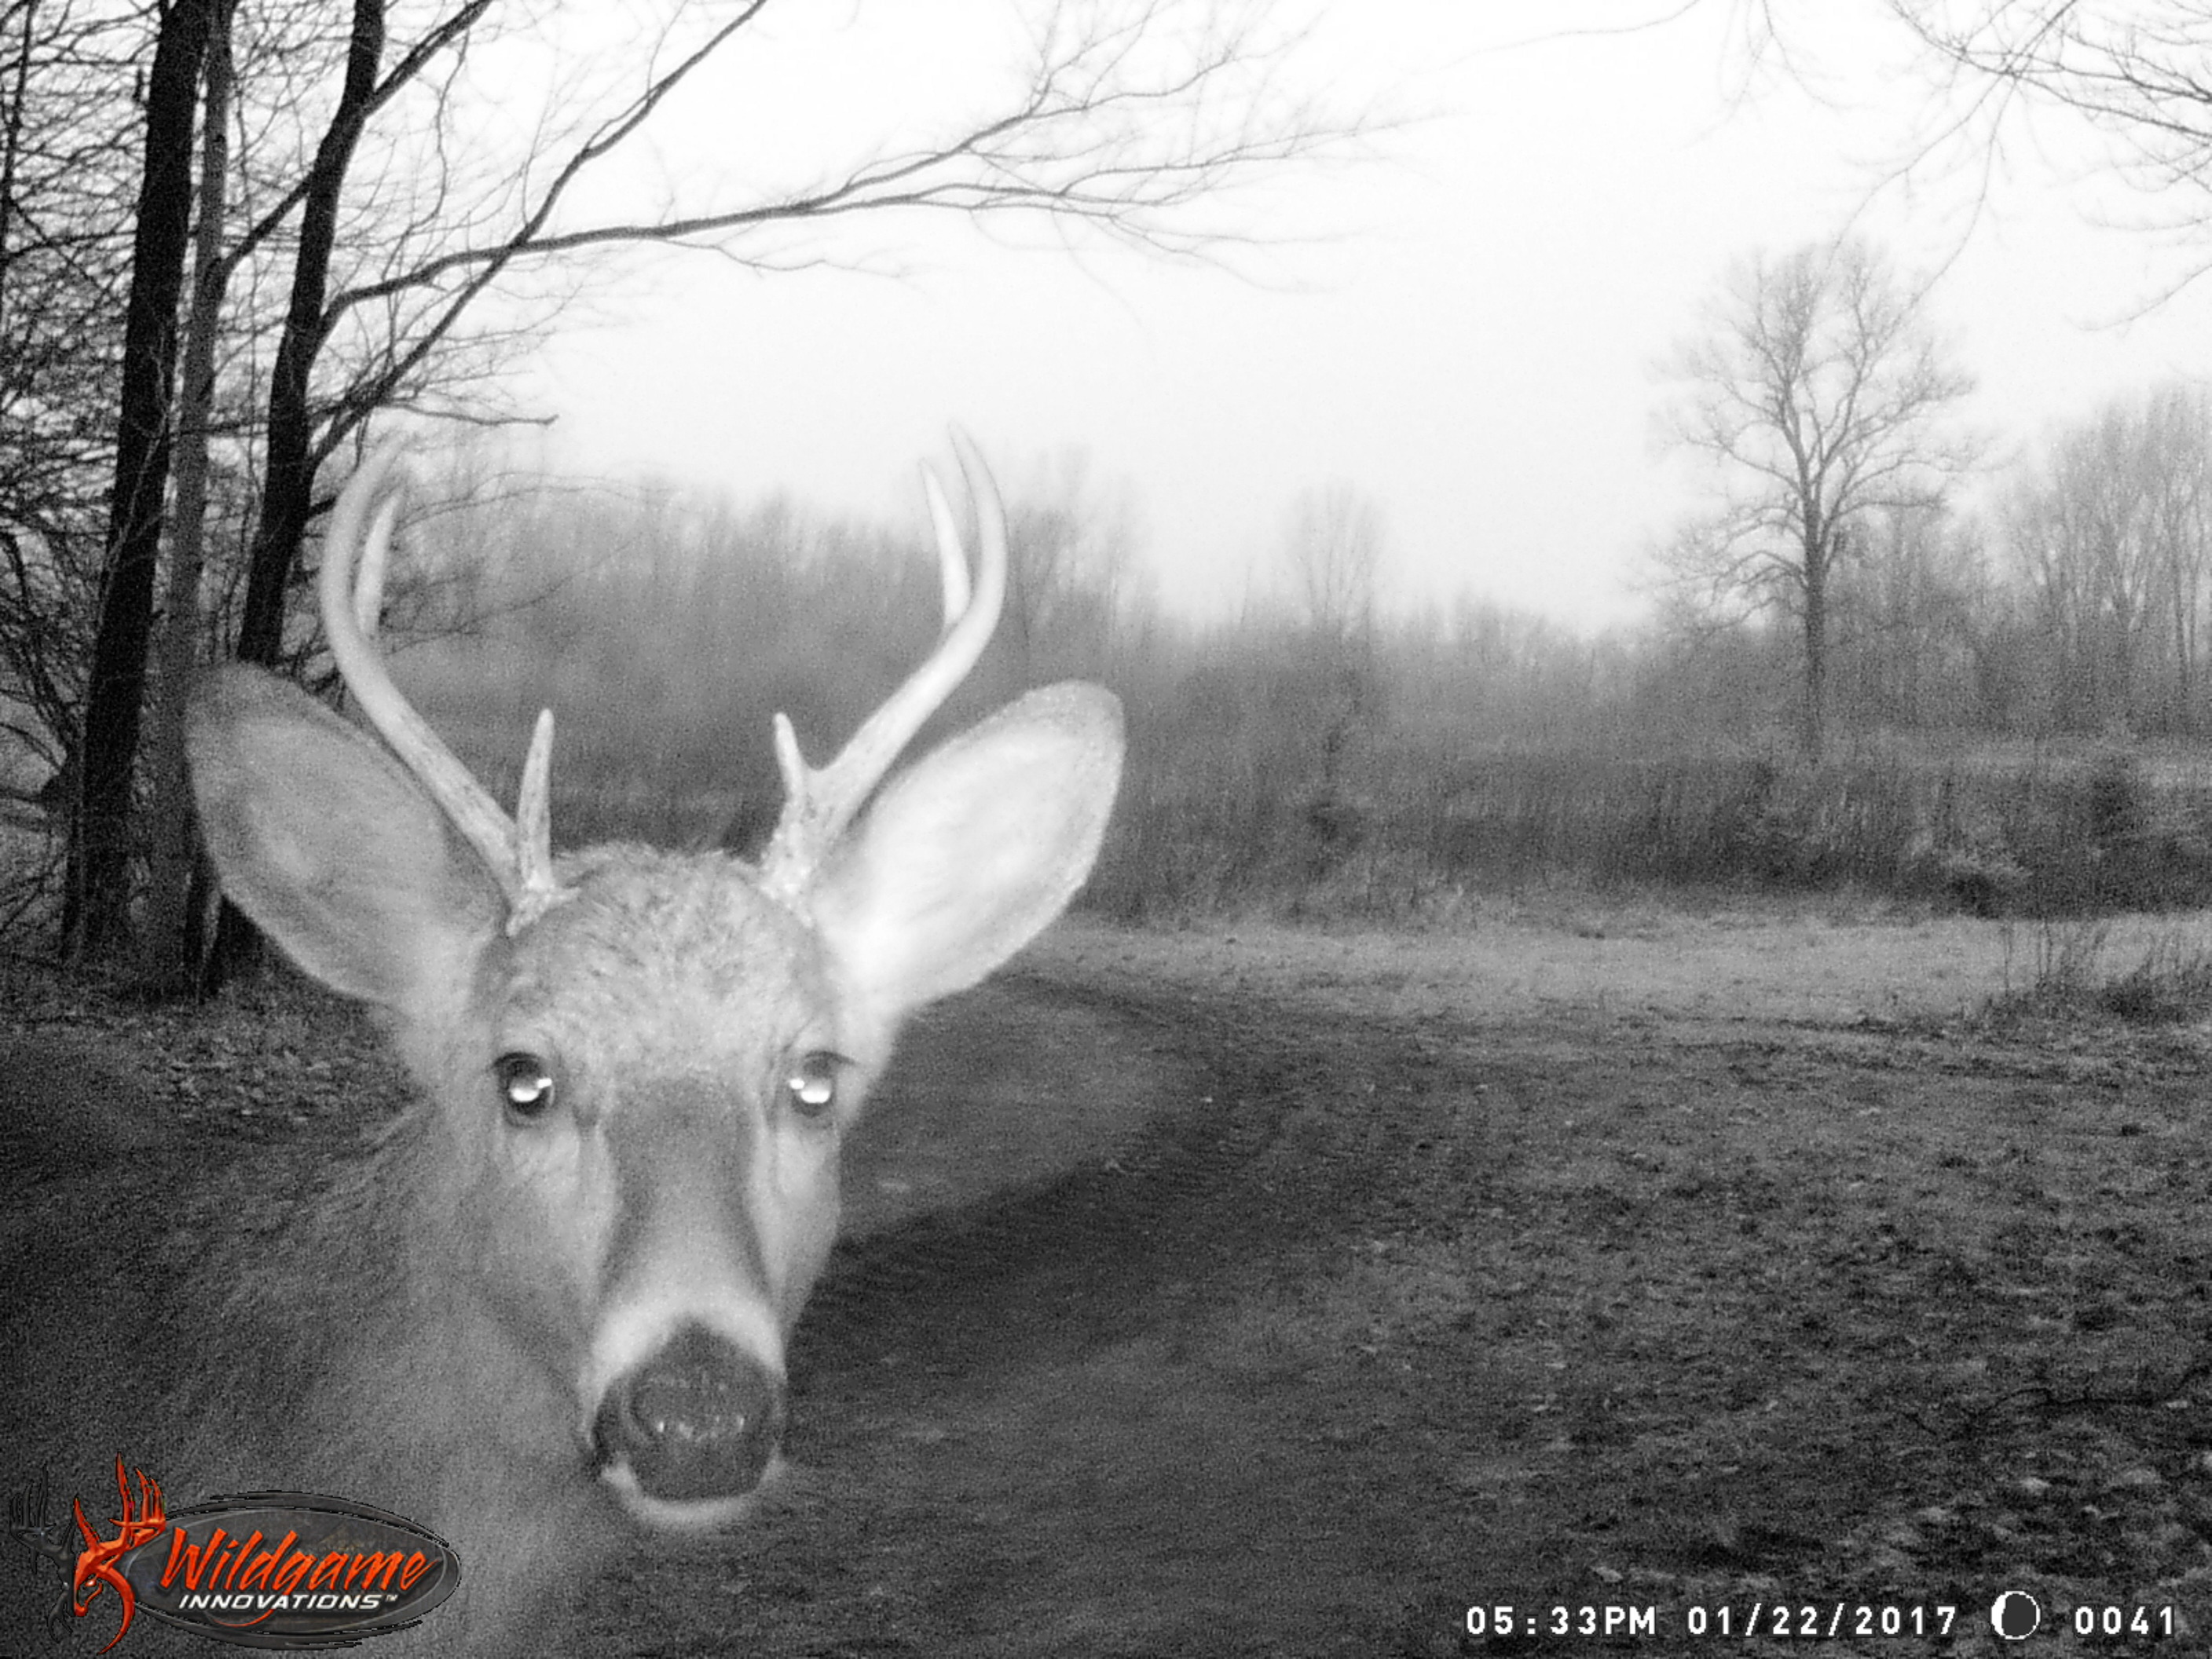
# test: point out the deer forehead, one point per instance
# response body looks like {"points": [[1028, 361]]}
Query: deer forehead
{"points": [[664, 958]]}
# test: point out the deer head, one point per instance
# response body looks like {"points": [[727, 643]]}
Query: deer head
{"points": [[637, 1066]]}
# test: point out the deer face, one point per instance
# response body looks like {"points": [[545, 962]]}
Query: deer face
{"points": [[639, 1065], [647, 1095]]}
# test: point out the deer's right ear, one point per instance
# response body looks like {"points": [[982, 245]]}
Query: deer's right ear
{"points": [[326, 842]]}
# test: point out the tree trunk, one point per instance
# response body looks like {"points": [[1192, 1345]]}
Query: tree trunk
{"points": [[289, 480], [174, 915], [288, 488], [96, 905], [1815, 732]]}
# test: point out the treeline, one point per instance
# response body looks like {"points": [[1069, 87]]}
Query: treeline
{"points": [[2013, 693]]}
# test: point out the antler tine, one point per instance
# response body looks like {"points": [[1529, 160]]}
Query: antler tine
{"points": [[952, 558], [352, 591], [819, 802]]}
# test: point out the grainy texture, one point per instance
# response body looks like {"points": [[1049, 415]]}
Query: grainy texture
{"points": [[1343, 1282]]}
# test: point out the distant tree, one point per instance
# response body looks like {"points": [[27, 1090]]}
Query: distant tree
{"points": [[1474, 674], [1818, 395], [1910, 609], [1333, 548], [2111, 535], [1074, 585]]}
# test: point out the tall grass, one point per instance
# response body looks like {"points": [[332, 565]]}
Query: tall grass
{"points": [[2046, 835], [2070, 971]]}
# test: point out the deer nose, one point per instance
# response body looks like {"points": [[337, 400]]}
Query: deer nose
{"points": [[697, 1421]]}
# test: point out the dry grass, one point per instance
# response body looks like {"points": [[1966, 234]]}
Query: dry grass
{"points": [[1638, 959]]}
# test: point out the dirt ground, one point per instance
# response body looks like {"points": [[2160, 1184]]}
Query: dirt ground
{"points": [[1267, 1291]]}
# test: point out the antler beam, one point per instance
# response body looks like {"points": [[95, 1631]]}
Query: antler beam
{"points": [[518, 851], [819, 802]]}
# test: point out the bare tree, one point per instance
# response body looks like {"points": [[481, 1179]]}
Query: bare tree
{"points": [[2112, 536], [1334, 547], [1906, 612], [176, 906], [1817, 394], [68, 165], [1073, 581], [95, 909]]}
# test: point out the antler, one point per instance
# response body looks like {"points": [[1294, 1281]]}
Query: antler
{"points": [[819, 802], [518, 852]]}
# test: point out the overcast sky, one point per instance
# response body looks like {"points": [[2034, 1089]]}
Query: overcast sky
{"points": [[1472, 339]]}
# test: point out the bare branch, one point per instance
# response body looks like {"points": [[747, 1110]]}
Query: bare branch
{"points": [[2134, 73], [1127, 122]]}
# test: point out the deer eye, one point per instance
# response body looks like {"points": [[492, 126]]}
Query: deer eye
{"points": [[810, 1086], [525, 1085]]}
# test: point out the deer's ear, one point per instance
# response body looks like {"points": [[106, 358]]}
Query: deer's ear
{"points": [[324, 840], [965, 856]]}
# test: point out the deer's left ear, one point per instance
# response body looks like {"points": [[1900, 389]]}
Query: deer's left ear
{"points": [[965, 857]]}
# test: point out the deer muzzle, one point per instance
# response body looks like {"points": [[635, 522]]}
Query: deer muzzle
{"points": [[695, 1423]]}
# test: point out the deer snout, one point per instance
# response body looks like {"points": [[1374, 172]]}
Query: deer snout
{"points": [[695, 1422]]}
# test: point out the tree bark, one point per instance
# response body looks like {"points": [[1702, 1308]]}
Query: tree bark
{"points": [[1821, 545], [96, 905], [1815, 727], [175, 902], [287, 487], [289, 480]]}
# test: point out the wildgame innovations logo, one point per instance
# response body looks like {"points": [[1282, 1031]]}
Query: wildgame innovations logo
{"points": [[262, 1569]]}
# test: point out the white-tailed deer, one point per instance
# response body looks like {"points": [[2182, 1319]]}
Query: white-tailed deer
{"points": [[587, 1243]]}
